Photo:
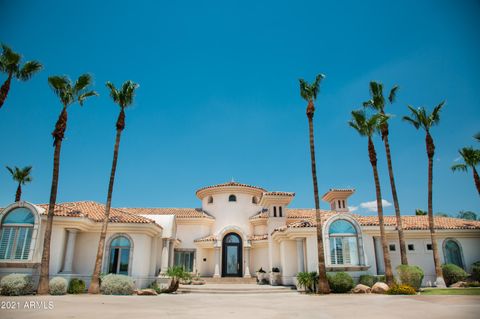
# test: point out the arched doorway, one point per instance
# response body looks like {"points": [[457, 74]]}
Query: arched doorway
{"points": [[232, 256]]}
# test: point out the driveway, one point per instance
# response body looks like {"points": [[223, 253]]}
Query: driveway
{"points": [[290, 305]]}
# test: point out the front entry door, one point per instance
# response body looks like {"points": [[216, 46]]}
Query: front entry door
{"points": [[232, 256]]}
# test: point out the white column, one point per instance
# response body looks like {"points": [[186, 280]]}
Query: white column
{"points": [[165, 253], [300, 255], [171, 252], [69, 250], [216, 274], [247, 263]]}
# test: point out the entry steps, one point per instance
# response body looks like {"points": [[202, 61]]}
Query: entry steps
{"points": [[235, 288]]}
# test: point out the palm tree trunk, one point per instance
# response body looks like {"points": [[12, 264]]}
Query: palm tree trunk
{"points": [[323, 286], [401, 236], [18, 194], [4, 89], [94, 284], [440, 282], [58, 134], [476, 179], [386, 257]]}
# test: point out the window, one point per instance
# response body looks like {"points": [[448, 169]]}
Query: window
{"points": [[392, 247], [280, 211], [254, 200], [453, 253], [16, 234], [411, 247], [120, 249], [232, 198], [210, 200], [274, 211], [339, 204], [184, 258], [343, 243], [429, 247], [343, 203]]}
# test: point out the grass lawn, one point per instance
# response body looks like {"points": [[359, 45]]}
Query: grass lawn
{"points": [[451, 291]]}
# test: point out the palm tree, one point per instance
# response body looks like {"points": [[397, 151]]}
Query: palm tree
{"points": [[123, 97], [477, 136], [377, 103], [420, 118], [309, 93], [471, 157], [366, 126], [10, 64], [68, 94], [21, 176]]}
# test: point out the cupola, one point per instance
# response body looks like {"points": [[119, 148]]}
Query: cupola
{"points": [[338, 198]]}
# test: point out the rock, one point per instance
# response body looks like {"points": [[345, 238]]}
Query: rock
{"points": [[361, 289], [198, 282], [459, 284], [146, 292], [380, 288]]}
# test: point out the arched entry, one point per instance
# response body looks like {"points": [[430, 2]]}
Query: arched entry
{"points": [[232, 256]]}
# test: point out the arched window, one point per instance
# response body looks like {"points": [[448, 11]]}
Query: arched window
{"points": [[453, 253], [16, 234], [210, 200], [120, 249], [232, 198], [343, 243], [254, 200]]}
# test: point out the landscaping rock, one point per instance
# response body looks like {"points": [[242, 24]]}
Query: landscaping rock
{"points": [[380, 288], [361, 289], [459, 284], [146, 292]]}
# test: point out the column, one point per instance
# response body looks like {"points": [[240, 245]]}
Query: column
{"points": [[216, 274], [300, 255], [165, 253], [171, 252], [69, 251], [247, 263]]}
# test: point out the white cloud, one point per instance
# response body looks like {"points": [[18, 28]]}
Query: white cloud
{"points": [[352, 208], [372, 206]]}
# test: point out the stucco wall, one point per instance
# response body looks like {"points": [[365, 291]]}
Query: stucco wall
{"points": [[259, 259]]}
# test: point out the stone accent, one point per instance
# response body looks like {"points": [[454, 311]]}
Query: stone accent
{"points": [[380, 288], [361, 289]]}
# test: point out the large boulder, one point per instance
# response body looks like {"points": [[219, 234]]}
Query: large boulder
{"points": [[380, 288], [361, 289], [146, 292], [459, 284]]}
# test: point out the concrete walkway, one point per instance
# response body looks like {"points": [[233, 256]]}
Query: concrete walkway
{"points": [[246, 306]]}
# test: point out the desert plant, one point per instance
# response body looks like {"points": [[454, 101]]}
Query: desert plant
{"points": [[341, 282], [367, 280], [401, 290], [452, 274], [476, 271], [154, 285], [410, 275], [76, 286], [58, 286], [177, 273], [113, 284], [261, 270], [307, 280], [16, 285], [21, 176]]}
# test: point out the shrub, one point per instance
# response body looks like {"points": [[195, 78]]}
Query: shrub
{"points": [[58, 286], [117, 285], [308, 280], [367, 280], [16, 285], [76, 286], [410, 275], [473, 284], [452, 274], [154, 285], [476, 271], [341, 282], [401, 290]]}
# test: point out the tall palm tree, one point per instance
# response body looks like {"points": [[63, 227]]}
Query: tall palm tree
{"points": [[420, 118], [10, 64], [471, 157], [367, 126], [21, 176], [68, 94], [309, 93], [124, 98], [377, 103]]}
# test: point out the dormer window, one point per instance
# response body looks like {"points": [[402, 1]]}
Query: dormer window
{"points": [[232, 198], [210, 200]]}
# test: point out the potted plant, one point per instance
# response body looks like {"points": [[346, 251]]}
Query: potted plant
{"points": [[275, 277], [261, 276]]}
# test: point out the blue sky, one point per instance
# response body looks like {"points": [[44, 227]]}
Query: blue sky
{"points": [[219, 97]]}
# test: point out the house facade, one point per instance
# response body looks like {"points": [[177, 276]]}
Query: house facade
{"points": [[238, 230]]}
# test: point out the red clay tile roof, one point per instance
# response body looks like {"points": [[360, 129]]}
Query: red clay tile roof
{"points": [[279, 194], [208, 238], [234, 184], [96, 212], [178, 212], [258, 237]]}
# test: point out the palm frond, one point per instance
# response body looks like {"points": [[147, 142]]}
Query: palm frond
{"points": [[477, 136], [10, 170], [11, 59], [304, 90], [60, 85], [459, 167], [315, 87], [29, 69], [82, 83], [82, 97], [113, 91], [414, 118], [435, 116], [393, 94]]}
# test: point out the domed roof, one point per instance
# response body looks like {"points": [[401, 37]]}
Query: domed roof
{"points": [[229, 187]]}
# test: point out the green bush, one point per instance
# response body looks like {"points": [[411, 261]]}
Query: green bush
{"points": [[410, 275], [341, 282], [117, 285], [476, 271], [16, 285], [76, 286], [308, 280], [368, 280], [58, 286], [401, 290], [452, 274]]}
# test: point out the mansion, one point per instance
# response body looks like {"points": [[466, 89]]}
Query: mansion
{"points": [[237, 230]]}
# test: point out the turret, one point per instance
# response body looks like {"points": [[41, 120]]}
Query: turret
{"points": [[338, 198]]}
